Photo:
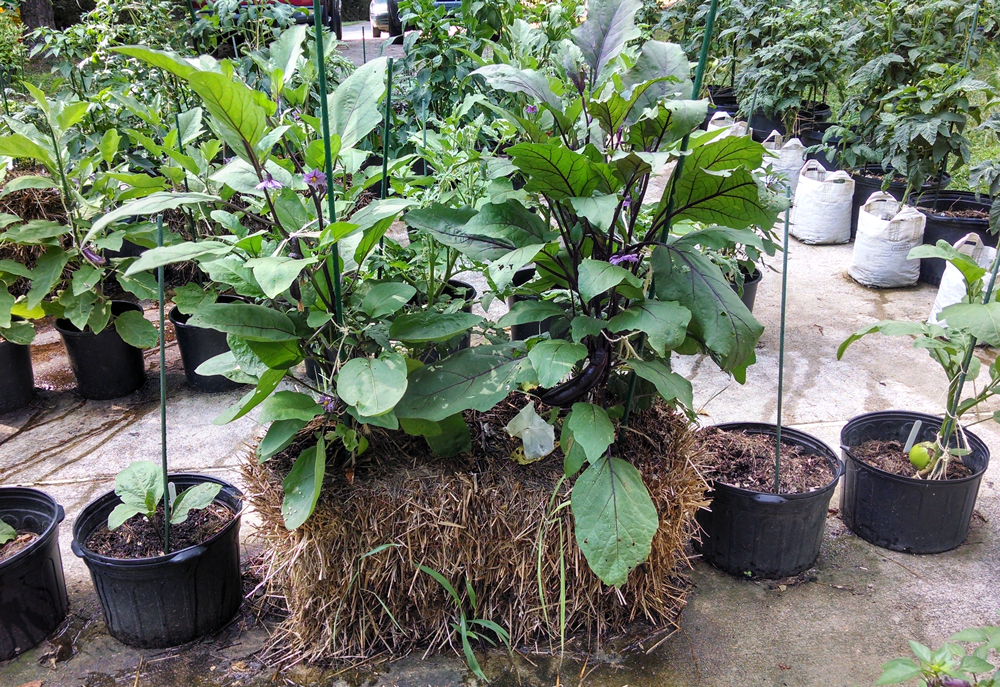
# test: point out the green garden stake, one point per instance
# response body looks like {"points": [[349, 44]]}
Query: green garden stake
{"points": [[699, 75], [364, 50], [385, 129], [781, 346], [163, 397], [972, 34], [338, 314], [3, 89]]}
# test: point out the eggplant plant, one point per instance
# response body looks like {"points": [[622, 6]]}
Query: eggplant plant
{"points": [[623, 283], [140, 487], [951, 344]]}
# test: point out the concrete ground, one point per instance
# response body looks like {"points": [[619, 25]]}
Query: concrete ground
{"points": [[833, 626]]}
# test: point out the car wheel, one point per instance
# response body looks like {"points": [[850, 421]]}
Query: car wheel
{"points": [[395, 25], [376, 32]]}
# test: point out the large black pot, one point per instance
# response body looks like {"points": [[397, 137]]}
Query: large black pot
{"points": [[33, 599], [768, 535], [164, 601], [813, 136], [104, 365], [721, 99], [865, 185], [198, 344], [806, 118], [943, 227], [750, 284], [17, 381], [521, 332], [905, 513]]}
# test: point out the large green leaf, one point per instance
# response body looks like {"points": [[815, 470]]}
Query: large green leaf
{"points": [[239, 108], [373, 385], [591, 428], [269, 381], [385, 299], [982, 321], [666, 69], [193, 498], [610, 25], [446, 438], [526, 312], [474, 378], [508, 78], [448, 226], [36, 232], [428, 327], [556, 171], [731, 198], [615, 519], [47, 273], [665, 324], [277, 355], [167, 61], [287, 49], [353, 107], [596, 276], [288, 405], [150, 205], [554, 359], [18, 146], [280, 436], [303, 485], [669, 384], [510, 222], [661, 128], [180, 252], [276, 274], [252, 322], [26, 182], [136, 330], [718, 317]]}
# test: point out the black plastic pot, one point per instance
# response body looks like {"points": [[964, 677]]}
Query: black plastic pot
{"points": [[128, 250], [520, 332], [763, 124], [33, 599], [944, 227], [813, 136], [164, 601], [197, 345], [721, 99], [104, 365], [905, 513], [17, 381], [768, 535], [868, 179], [750, 283]]}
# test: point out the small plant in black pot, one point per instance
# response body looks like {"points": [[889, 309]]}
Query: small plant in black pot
{"points": [[163, 551], [897, 459]]}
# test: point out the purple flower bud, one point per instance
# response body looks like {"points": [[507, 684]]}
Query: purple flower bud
{"points": [[531, 109], [329, 403], [269, 183], [315, 179], [627, 203], [93, 258], [619, 258]]}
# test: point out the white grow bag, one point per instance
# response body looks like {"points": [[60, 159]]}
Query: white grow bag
{"points": [[821, 212], [952, 288], [886, 234]]}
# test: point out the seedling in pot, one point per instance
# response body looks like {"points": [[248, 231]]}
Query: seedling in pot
{"points": [[7, 533], [140, 488]]}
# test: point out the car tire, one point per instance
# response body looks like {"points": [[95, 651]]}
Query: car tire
{"points": [[395, 25], [376, 32]]}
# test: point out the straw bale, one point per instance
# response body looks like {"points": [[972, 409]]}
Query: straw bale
{"points": [[481, 517]]}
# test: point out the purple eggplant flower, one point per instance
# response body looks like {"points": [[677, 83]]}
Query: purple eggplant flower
{"points": [[269, 183], [329, 403], [93, 258], [531, 109], [619, 258], [627, 203], [315, 179]]}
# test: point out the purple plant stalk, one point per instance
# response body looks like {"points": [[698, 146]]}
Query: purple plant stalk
{"points": [[269, 183]]}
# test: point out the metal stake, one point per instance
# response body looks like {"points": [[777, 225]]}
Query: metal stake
{"points": [[325, 116], [364, 51], [163, 397], [781, 348], [385, 146]]}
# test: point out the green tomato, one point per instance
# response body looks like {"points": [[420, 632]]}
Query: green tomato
{"points": [[921, 454]]}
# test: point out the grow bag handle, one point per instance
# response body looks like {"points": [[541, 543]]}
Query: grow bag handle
{"points": [[769, 498], [188, 554]]}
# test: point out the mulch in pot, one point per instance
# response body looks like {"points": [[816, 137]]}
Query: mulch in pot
{"points": [[746, 460], [142, 538], [889, 456], [16, 545], [967, 214]]}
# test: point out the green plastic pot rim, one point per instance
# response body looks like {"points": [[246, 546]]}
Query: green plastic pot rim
{"points": [[44, 536], [767, 428], [902, 478], [91, 556]]}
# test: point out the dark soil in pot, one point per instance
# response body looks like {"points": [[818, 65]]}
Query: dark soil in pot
{"points": [[142, 538], [890, 457], [17, 380], [956, 214], [903, 513], [104, 365], [868, 179], [746, 531], [166, 600], [33, 601], [198, 345]]}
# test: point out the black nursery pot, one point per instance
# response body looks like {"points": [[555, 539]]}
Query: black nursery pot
{"points": [[104, 365], [768, 535], [807, 118], [905, 513], [520, 332], [865, 185], [813, 136], [17, 381], [199, 344], [940, 226], [750, 284], [721, 99], [153, 603], [33, 600]]}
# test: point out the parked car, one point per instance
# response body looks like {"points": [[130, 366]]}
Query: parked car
{"points": [[384, 15]]}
